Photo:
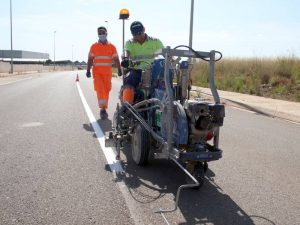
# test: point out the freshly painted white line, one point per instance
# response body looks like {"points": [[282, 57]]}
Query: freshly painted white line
{"points": [[110, 156], [114, 164]]}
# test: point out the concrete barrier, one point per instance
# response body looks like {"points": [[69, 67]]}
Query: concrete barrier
{"points": [[20, 68]]}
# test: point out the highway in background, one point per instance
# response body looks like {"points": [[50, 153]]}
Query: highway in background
{"points": [[53, 170]]}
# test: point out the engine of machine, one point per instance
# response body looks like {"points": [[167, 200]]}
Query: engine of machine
{"points": [[203, 118]]}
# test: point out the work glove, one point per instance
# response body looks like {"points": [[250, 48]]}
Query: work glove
{"points": [[88, 74], [119, 72], [125, 62]]}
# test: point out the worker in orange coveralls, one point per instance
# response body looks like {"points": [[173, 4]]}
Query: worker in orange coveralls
{"points": [[102, 55]]}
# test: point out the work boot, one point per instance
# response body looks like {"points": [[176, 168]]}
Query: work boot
{"points": [[103, 114]]}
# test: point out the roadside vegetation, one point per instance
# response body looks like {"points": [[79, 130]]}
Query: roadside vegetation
{"points": [[273, 78]]}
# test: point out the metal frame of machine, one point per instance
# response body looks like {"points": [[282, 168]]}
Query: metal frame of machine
{"points": [[167, 123]]}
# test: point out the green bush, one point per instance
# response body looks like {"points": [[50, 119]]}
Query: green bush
{"points": [[239, 84]]}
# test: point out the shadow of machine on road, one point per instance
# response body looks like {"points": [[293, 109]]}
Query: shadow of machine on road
{"points": [[104, 124], [149, 184]]}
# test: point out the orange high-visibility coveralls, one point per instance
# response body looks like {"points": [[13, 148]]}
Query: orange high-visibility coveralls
{"points": [[102, 55]]}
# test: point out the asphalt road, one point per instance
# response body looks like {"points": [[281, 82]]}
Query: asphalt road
{"points": [[53, 170]]}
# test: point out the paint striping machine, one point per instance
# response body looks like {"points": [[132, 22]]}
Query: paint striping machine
{"points": [[166, 123]]}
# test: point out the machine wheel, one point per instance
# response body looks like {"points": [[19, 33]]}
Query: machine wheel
{"points": [[140, 145]]}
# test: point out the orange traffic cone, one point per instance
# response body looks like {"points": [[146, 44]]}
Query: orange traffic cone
{"points": [[77, 78]]}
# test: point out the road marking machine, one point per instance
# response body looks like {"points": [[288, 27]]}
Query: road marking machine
{"points": [[166, 123]]}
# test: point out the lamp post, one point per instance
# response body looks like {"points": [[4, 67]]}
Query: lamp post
{"points": [[124, 14], [106, 24], [11, 41], [191, 26], [72, 57], [54, 48]]}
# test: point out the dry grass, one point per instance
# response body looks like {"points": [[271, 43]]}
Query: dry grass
{"points": [[276, 78]]}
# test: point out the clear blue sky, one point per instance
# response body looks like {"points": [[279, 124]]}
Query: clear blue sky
{"points": [[237, 28]]}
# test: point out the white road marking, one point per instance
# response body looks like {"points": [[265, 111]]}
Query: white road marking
{"points": [[114, 164], [290, 121], [241, 109], [16, 81], [32, 124], [110, 156], [274, 117]]}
